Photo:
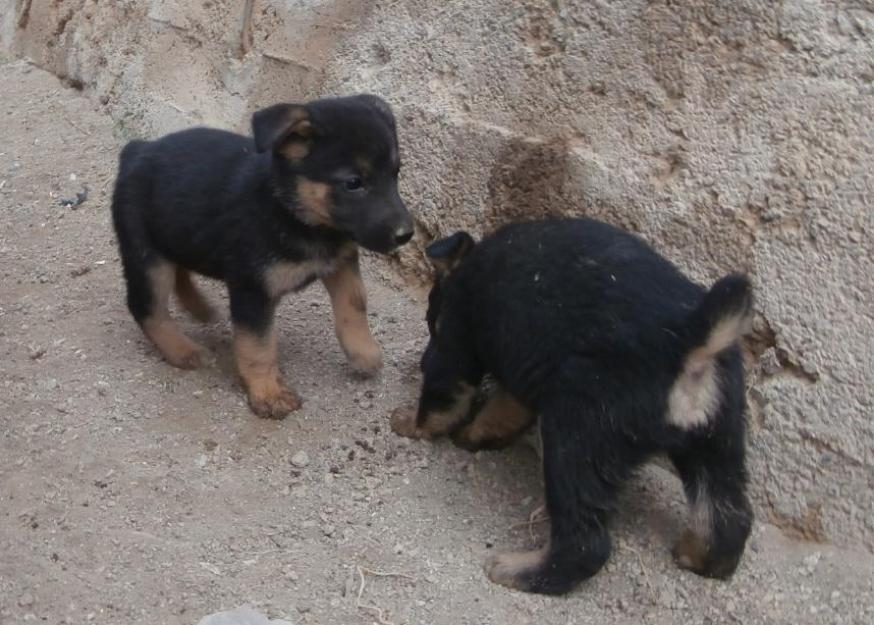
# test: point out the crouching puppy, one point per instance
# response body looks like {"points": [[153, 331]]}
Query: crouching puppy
{"points": [[267, 216], [621, 357]]}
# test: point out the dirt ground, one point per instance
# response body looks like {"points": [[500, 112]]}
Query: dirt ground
{"points": [[133, 493]]}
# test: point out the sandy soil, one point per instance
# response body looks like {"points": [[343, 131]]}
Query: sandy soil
{"points": [[131, 492]]}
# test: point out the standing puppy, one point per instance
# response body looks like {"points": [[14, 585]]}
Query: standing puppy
{"points": [[620, 355], [266, 216]]}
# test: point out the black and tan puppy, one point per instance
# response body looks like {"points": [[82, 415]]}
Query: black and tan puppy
{"points": [[266, 216], [620, 356]]}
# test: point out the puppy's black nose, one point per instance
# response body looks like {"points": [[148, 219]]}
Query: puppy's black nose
{"points": [[403, 236]]}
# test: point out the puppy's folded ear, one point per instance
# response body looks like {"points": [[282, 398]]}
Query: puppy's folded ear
{"points": [[284, 128], [446, 254]]}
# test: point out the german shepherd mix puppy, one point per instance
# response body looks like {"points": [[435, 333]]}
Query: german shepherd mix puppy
{"points": [[621, 357], [267, 216]]}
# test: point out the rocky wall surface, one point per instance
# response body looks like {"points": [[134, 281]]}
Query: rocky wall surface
{"points": [[732, 135]]}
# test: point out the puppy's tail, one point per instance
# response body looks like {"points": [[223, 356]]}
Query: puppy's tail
{"points": [[722, 318]]}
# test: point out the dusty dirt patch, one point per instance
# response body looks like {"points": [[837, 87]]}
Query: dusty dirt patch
{"points": [[131, 492]]}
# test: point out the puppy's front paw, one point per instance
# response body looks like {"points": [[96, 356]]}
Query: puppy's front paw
{"points": [[470, 437], [365, 358], [514, 569], [535, 571], [187, 357], [274, 403], [403, 423]]}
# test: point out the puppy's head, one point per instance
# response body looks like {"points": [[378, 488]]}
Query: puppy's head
{"points": [[336, 164], [445, 255]]}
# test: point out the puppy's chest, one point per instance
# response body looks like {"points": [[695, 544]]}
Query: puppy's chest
{"points": [[285, 276]]}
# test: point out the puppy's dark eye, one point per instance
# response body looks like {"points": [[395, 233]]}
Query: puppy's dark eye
{"points": [[353, 184]]}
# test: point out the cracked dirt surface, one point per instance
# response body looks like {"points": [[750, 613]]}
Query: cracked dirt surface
{"points": [[133, 493]]}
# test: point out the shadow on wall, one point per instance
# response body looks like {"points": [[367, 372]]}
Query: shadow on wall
{"points": [[529, 180], [539, 178]]}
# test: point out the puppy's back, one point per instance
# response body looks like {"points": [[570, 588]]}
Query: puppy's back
{"points": [[197, 157], [190, 193], [579, 279]]}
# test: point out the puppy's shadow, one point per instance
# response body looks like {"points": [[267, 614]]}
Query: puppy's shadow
{"points": [[650, 512], [500, 490], [304, 324], [652, 506]]}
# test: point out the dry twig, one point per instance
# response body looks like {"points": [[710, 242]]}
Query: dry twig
{"points": [[538, 515], [645, 572], [375, 610]]}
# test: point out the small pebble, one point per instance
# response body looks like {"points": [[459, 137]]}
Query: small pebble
{"points": [[300, 459]]}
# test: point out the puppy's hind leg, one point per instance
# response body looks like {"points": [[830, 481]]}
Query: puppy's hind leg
{"points": [[149, 292], [191, 298], [582, 479], [149, 277], [721, 518]]}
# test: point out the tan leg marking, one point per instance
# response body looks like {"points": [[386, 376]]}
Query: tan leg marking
{"points": [[403, 420], [349, 301], [498, 422], [257, 363], [506, 568], [403, 423], [691, 551], [191, 298], [179, 350]]}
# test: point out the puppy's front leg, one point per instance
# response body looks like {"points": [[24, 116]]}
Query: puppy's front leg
{"points": [[349, 301], [496, 425], [447, 392], [256, 354]]}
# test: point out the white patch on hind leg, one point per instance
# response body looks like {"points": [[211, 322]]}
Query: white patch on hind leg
{"points": [[692, 548], [701, 514], [695, 395]]}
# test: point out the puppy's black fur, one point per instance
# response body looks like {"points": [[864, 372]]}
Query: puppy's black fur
{"points": [[266, 215], [621, 357]]}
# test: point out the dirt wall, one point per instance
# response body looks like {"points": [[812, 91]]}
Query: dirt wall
{"points": [[731, 135]]}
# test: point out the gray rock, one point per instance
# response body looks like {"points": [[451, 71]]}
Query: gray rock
{"points": [[241, 616], [301, 459]]}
